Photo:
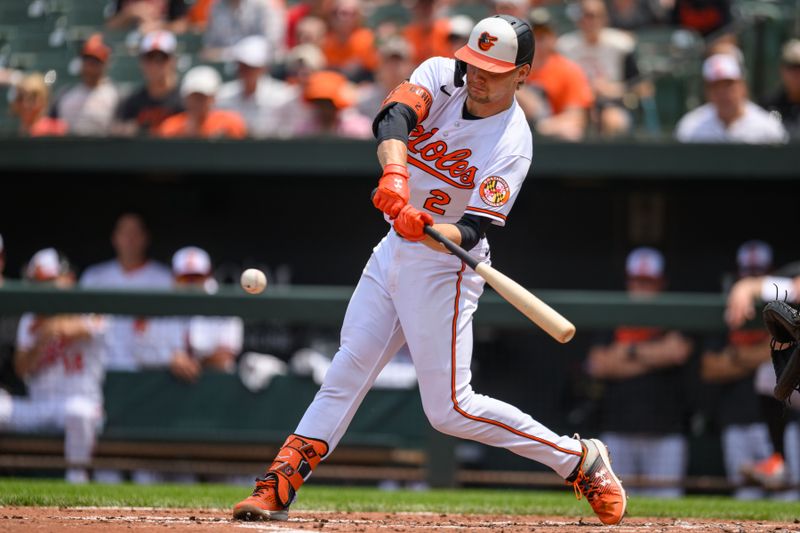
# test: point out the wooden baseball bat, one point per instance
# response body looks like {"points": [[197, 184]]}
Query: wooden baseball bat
{"points": [[526, 303]]}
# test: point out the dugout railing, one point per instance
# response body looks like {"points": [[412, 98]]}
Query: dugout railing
{"points": [[217, 426]]}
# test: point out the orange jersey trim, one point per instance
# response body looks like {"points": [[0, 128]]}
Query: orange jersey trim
{"points": [[457, 408], [487, 212]]}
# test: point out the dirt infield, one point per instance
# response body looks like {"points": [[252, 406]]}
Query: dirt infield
{"points": [[138, 519]]}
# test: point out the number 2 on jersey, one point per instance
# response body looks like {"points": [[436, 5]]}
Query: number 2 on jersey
{"points": [[435, 202]]}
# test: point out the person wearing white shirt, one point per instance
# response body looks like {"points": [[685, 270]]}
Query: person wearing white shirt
{"points": [[131, 269], [88, 107], [729, 116], [270, 107]]}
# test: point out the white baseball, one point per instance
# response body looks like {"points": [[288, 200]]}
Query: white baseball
{"points": [[253, 281]]}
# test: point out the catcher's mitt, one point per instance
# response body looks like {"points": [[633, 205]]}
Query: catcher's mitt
{"points": [[783, 323]]}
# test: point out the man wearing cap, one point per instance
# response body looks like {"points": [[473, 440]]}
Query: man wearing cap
{"points": [[787, 101], [270, 107], [329, 98], [88, 107], [61, 364], [606, 56], [455, 149], [642, 371], [201, 120], [728, 115], [145, 109], [729, 366]]}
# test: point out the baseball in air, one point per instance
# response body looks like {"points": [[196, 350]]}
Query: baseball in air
{"points": [[253, 281]]}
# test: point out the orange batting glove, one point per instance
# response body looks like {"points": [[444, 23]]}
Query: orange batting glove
{"points": [[392, 193], [410, 222]]}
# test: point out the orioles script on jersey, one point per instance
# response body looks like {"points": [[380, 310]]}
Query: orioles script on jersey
{"points": [[454, 165]]}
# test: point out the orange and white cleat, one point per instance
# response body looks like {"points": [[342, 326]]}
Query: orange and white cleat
{"points": [[263, 504], [276, 491], [596, 481], [769, 473]]}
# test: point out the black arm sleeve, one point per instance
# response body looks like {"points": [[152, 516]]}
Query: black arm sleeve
{"points": [[472, 228], [394, 122]]}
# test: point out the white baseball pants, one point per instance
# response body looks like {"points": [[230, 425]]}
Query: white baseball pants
{"points": [[410, 294]]}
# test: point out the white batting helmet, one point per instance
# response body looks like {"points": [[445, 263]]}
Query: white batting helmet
{"points": [[498, 44]]}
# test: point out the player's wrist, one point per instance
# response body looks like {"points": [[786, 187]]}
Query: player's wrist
{"points": [[396, 169]]}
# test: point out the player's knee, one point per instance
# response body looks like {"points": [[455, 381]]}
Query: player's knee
{"points": [[445, 421], [81, 409]]}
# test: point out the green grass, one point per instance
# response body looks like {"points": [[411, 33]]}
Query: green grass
{"points": [[57, 493]]}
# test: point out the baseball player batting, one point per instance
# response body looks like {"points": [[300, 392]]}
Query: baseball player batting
{"points": [[455, 148]]}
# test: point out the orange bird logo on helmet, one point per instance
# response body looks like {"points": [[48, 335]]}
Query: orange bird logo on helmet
{"points": [[486, 41]]}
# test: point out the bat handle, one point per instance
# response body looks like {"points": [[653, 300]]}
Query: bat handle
{"points": [[452, 247]]}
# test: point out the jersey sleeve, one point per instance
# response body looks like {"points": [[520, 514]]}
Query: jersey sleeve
{"points": [[498, 188], [26, 339], [433, 73]]}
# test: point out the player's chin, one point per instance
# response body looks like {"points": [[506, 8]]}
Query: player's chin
{"points": [[478, 95]]}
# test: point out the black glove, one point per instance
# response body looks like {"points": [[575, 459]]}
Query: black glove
{"points": [[783, 323]]}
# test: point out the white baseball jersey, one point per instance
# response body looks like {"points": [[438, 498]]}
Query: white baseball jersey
{"points": [[412, 296], [66, 368], [207, 334], [755, 126], [123, 331], [460, 166]]}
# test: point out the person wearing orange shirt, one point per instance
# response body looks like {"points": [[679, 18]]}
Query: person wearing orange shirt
{"points": [[199, 89], [564, 94], [427, 32], [30, 106], [349, 47]]}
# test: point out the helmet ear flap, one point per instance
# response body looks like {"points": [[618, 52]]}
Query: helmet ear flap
{"points": [[461, 71]]}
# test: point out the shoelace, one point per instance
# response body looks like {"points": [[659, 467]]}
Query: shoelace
{"points": [[583, 487], [262, 484]]}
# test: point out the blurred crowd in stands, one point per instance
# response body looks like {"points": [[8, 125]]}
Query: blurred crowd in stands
{"points": [[643, 387], [267, 69]]}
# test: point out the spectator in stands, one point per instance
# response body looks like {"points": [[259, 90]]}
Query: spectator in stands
{"points": [[301, 62], [130, 269], [57, 356], [150, 15], [88, 107], [606, 57], [311, 30], [212, 342], [787, 101], [270, 107], [631, 15], [515, 8], [349, 46], [703, 16], [728, 115], [427, 31], [643, 402], [298, 12], [394, 67], [557, 98], [201, 120], [731, 365], [143, 111], [30, 106], [331, 97], [233, 20], [460, 26]]}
